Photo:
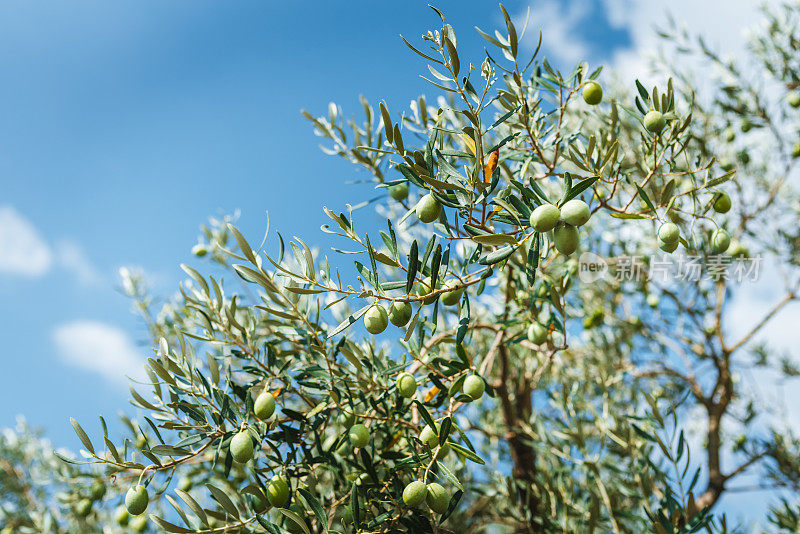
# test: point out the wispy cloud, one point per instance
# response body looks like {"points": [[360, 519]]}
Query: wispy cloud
{"points": [[71, 257], [560, 23], [23, 252], [722, 24], [100, 348]]}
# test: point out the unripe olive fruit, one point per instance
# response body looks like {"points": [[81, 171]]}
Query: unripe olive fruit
{"points": [[747, 125], [406, 385], [98, 491], [429, 437], [654, 121], [744, 157], [444, 450], [450, 298], [730, 134], [575, 212], [376, 320], [794, 99], [796, 150], [400, 313], [669, 233], [426, 288], [83, 508], [264, 406], [347, 418], [242, 447], [277, 491], [738, 250], [537, 333], [566, 239], [545, 217], [136, 500], [139, 524], [653, 300], [592, 93], [437, 498], [199, 250], [359, 435], [720, 241], [428, 208], [474, 386], [668, 247], [723, 203], [726, 164], [415, 493], [121, 516], [399, 192]]}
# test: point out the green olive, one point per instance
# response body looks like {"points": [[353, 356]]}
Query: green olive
{"points": [[537, 333], [98, 491], [136, 500], [545, 217], [730, 134], [669, 233], [654, 121], [720, 241], [592, 93], [668, 247], [376, 320], [426, 288], [241, 447], [722, 204], [794, 99], [575, 212], [415, 493], [399, 192], [566, 239], [264, 406], [474, 386], [428, 208], [437, 498], [121, 516], [359, 435], [278, 491], [428, 436], [347, 418], [83, 508], [406, 385], [450, 298], [400, 313], [139, 524]]}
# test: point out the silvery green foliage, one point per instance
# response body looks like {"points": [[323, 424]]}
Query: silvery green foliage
{"points": [[579, 431], [41, 491]]}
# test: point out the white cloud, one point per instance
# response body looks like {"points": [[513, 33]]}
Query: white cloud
{"points": [[100, 348], [722, 23], [22, 251], [560, 23]]}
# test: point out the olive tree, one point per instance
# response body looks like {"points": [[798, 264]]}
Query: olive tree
{"points": [[467, 372]]}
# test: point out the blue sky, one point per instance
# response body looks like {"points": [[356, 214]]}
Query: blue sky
{"points": [[124, 125]]}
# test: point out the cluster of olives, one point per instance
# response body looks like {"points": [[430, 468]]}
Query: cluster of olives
{"points": [[564, 222], [241, 449], [433, 494], [377, 319], [720, 240]]}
